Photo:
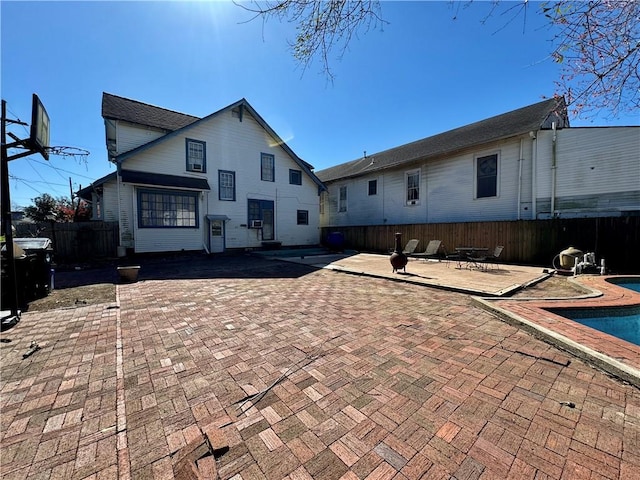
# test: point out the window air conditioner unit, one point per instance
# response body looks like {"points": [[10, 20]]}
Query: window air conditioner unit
{"points": [[196, 167], [256, 223]]}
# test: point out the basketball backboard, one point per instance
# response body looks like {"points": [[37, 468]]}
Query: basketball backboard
{"points": [[39, 138]]}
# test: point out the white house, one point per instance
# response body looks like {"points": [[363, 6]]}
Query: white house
{"points": [[522, 165], [224, 181]]}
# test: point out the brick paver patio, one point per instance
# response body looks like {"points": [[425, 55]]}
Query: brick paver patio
{"points": [[250, 368]]}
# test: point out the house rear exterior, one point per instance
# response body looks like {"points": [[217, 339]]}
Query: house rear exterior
{"points": [[526, 164], [224, 181]]}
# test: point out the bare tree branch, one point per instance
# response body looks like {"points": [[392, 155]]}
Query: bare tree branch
{"points": [[323, 26], [596, 42], [598, 46]]}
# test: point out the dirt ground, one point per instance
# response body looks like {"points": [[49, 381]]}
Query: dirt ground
{"points": [[75, 297], [88, 285], [553, 287], [79, 286]]}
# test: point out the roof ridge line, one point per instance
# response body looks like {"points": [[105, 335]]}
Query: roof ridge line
{"points": [[150, 105]]}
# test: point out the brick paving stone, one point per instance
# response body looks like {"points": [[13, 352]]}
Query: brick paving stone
{"points": [[372, 385]]}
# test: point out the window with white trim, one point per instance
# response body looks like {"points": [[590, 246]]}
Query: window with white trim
{"points": [[267, 167], [342, 199], [167, 208], [487, 176], [226, 185], [412, 182], [196, 155]]}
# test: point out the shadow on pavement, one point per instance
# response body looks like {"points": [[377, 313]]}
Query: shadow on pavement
{"points": [[180, 266]]}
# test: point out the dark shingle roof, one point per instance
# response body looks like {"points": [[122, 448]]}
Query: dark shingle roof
{"points": [[158, 179], [120, 108], [531, 118]]}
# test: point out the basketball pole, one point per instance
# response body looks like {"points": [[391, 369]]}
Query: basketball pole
{"points": [[6, 223], [29, 149]]}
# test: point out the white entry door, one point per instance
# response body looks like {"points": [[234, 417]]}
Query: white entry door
{"points": [[216, 235]]}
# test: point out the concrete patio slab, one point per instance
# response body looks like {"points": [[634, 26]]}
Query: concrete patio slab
{"points": [[498, 280]]}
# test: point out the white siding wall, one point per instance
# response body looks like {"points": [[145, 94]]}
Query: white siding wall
{"points": [[110, 201], [129, 136], [597, 170], [452, 181], [234, 146], [127, 220]]}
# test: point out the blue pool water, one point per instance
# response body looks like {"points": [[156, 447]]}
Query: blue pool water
{"points": [[621, 322], [630, 283]]}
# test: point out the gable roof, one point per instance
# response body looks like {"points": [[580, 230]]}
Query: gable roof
{"points": [[120, 108], [240, 104], [517, 122], [85, 193]]}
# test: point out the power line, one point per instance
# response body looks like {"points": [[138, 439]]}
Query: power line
{"points": [[13, 177], [37, 172], [29, 185], [50, 166], [63, 170]]}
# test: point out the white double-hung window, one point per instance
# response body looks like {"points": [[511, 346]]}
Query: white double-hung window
{"points": [[412, 183], [196, 155], [227, 185]]}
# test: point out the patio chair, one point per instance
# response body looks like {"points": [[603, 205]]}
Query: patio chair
{"points": [[410, 247], [454, 257], [493, 257], [433, 247]]}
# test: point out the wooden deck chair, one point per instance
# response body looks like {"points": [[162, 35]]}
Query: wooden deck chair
{"points": [[433, 247]]}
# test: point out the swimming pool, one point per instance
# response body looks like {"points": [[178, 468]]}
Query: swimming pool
{"points": [[621, 322], [630, 283], [549, 318]]}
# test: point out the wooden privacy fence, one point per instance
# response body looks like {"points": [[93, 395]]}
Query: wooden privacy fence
{"points": [[527, 242], [75, 241]]}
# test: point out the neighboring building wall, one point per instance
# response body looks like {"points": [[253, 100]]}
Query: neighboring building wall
{"points": [[447, 191], [451, 184], [597, 172], [97, 208]]}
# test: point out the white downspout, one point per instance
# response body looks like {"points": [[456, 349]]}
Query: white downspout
{"points": [[520, 177], [553, 171], [384, 219]]}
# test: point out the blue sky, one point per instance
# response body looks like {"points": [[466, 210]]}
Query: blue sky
{"points": [[421, 74]]}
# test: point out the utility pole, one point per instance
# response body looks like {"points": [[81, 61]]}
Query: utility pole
{"points": [[10, 266]]}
